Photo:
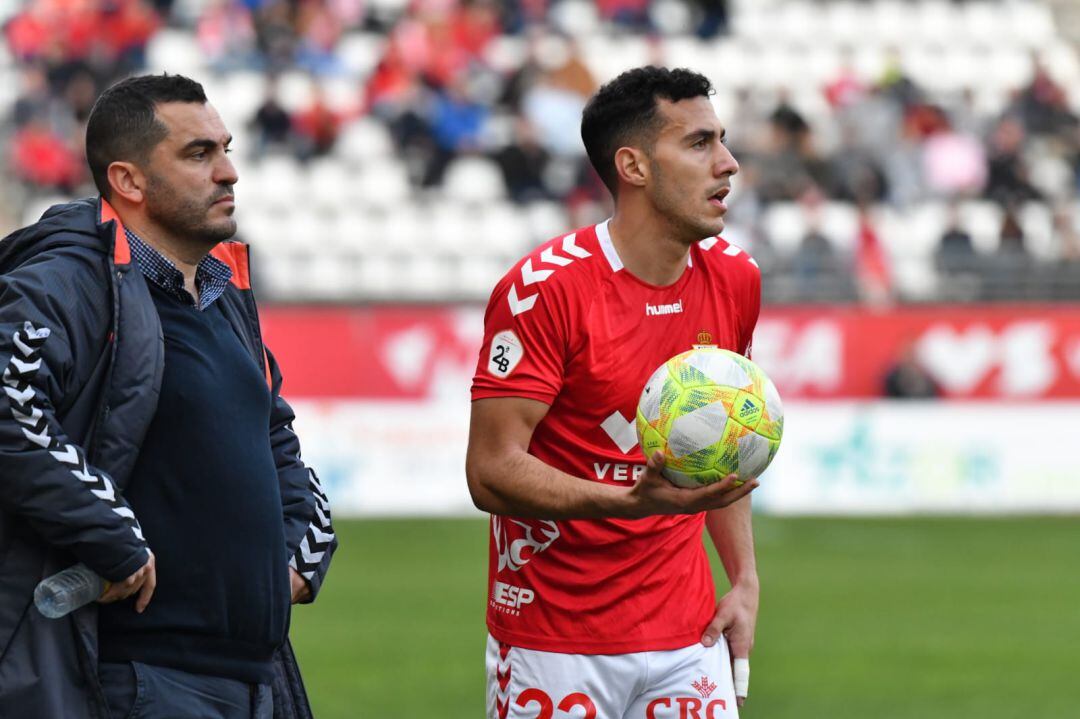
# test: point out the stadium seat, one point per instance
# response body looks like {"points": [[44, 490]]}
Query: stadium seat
{"points": [[473, 180], [845, 22], [327, 184], [937, 21], [892, 22], [175, 51], [381, 184], [1032, 23], [408, 230], [280, 273], [983, 220], [35, 208], [506, 53], [501, 230], [478, 275], [575, 17], [982, 22], [840, 224], [364, 139], [379, 277], [544, 220], [296, 90], [914, 233], [452, 226], [1060, 59], [329, 277], [1037, 220], [359, 53], [671, 17], [273, 182], [785, 225], [427, 277], [797, 21], [915, 280]]}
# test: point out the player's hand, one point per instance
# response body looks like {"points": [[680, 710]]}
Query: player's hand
{"points": [[735, 618], [143, 581], [654, 494], [301, 591]]}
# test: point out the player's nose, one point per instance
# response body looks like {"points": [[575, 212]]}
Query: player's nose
{"points": [[725, 164]]}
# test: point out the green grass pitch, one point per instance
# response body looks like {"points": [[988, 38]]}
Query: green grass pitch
{"points": [[860, 619]]}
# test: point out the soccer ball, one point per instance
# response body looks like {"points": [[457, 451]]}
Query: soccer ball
{"points": [[712, 413]]}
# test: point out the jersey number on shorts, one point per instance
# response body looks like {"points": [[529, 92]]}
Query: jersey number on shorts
{"points": [[547, 706]]}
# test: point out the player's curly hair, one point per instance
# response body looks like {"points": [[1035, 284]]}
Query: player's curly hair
{"points": [[623, 112], [123, 126]]}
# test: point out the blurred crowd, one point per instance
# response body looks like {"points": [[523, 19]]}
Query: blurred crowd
{"points": [[436, 87]]}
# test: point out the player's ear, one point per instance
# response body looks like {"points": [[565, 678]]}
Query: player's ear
{"points": [[632, 166], [127, 181]]}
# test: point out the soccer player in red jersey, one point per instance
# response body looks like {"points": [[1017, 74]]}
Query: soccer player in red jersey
{"points": [[601, 602]]}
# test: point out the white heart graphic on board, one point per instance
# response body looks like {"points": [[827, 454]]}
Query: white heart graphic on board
{"points": [[1072, 356], [958, 360], [1028, 364]]}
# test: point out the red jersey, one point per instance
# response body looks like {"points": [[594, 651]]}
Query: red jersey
{"points": [[568, 326]]}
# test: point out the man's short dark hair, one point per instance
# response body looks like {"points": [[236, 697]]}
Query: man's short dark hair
{"points": [[123, 126], [624, 112]]}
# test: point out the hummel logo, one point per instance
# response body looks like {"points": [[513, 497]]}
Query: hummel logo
{"points": [[672, 309], [704, 687], [747, 407]]}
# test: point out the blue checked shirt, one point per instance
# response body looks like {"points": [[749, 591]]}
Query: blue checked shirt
{"points": [[211, 275]]}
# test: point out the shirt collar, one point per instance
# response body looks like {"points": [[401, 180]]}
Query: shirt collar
{"points": [[212, 275]]}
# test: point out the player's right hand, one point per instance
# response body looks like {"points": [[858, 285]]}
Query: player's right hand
{"points": [[143, 581], [654, 494]]}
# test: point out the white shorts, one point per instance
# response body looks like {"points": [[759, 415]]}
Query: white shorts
{"points": [[690, 683]]}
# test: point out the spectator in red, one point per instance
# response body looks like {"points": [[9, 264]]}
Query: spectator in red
{"points": [[871, 262], [316, 127], [43, 159]]}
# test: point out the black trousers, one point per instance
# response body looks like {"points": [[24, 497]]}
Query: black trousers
{"points": [[141, 691]]}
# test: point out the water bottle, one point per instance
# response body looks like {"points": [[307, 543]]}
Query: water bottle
{"points": [[66, 591]]}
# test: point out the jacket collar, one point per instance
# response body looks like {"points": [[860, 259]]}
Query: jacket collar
{"points": [[234, 254]]}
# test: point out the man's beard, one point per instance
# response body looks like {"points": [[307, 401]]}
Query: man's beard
{"points": [[668, 199], [186, 217]]}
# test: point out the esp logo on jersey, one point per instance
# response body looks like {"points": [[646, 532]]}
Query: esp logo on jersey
{"points": [[506, 352]]}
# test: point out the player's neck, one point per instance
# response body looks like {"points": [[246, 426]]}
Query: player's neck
{"points": [[647, 248]]}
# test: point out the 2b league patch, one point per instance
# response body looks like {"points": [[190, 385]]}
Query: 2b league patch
{"points": [[506, 352]]}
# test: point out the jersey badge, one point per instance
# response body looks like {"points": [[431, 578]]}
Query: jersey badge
{"points": [[506, 352], [704, 341]]}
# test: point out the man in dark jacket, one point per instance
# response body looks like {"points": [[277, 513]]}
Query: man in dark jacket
{"points": [[142, 432]]}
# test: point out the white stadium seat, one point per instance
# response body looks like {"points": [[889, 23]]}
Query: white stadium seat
{"points": [[544, 220], [364, 139], [785, 226], [1037, 221], [274, 182], [918, 230], [360, 52], [475, 180], [382, 184], [982, 219], [327, 184], [840, 224], [175, 51]]}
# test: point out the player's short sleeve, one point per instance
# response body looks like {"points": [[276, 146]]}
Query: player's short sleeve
{"points": [[525, 344], [749, 310]]}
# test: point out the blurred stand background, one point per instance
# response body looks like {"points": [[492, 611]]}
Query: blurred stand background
{"points": [[908, 186]]}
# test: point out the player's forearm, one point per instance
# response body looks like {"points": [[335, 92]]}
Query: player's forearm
{"points": [[731, 530], [520, 485]]}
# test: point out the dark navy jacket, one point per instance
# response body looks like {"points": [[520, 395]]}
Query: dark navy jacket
{"points": [[82, 357]]}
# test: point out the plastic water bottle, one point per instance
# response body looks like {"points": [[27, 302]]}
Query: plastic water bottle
{"points": [[66, 591]]}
